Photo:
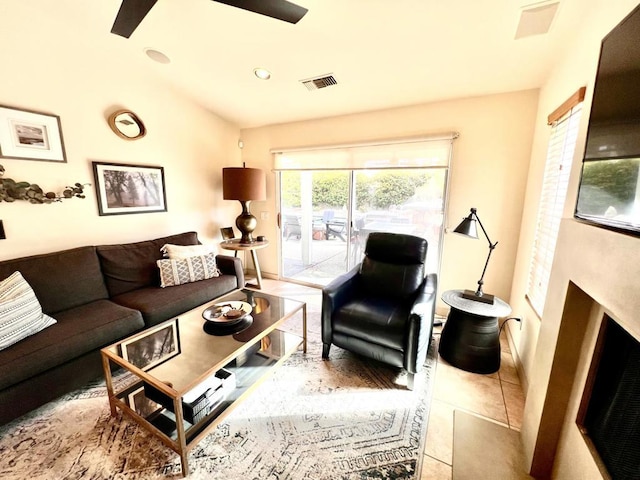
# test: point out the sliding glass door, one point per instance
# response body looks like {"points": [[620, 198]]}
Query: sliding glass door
{"points": [[331, 199], [409, 201], [327, 216], [314, 225]]}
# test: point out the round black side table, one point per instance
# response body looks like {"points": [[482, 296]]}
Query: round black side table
{"points": [[470, 338]]}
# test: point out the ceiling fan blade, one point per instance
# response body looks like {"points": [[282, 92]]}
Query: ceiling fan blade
{"points": [[278, 9], [130, 15]]}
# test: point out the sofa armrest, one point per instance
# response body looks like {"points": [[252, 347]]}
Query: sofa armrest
{"points": [[231, 266], [336, 294], [421, 324]]}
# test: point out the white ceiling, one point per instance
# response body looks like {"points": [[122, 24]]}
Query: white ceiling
{"points": [[383, 53]]}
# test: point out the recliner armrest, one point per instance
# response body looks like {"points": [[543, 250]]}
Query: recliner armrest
{"points": [[421, 324], [426, 296], [334, 295]]}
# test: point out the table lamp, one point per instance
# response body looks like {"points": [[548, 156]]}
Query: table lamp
{"points": [[468, 228], [244, 184]]}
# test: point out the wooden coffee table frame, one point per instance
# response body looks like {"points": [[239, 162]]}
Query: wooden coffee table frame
{"points": [[184, 438]]}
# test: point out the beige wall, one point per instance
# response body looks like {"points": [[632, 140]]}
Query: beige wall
{"points": [[497, 167], [545, 349], [489, 170], [49, 70]]}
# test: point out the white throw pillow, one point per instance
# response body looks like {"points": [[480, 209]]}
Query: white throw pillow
{"points": [[20, 312], [185, 270], [185, 251]]}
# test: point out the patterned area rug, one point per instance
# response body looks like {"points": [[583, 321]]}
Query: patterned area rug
{"points": [[348, 418]]}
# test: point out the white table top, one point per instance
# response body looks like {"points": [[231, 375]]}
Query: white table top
{"points": [[500, 308]]}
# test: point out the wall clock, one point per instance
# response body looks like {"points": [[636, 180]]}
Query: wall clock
{"points": [[127, 125]]}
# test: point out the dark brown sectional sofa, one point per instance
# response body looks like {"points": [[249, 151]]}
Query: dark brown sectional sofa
{"points": [[98, 295]]}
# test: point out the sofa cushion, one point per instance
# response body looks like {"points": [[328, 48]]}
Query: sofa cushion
{"points": [[78, 331], [20, 312], [186, 251], [186, 270], [375, 320], [159, 304], [75, 273], [130, 266]]}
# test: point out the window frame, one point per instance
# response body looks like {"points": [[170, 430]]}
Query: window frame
{"points": [[565, 122]]}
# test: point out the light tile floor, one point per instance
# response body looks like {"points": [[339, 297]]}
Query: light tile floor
{"points": [[497, 397]]}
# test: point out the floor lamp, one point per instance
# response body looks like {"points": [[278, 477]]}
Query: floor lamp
{"points": [[244, 184], [468, 228]]}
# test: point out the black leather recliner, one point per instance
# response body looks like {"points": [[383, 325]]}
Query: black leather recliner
{"points": [[383, 308]]}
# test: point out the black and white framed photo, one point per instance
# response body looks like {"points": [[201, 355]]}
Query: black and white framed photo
{"points": [[27, 135], [153, 346], [227, 233], [123, 189]]}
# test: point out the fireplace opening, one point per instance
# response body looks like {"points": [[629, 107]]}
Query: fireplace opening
{"points": [[611, 420]]}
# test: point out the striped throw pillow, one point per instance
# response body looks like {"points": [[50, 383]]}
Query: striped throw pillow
{"points": [[185, 270], [20, 312]]}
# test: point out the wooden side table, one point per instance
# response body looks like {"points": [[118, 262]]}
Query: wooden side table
{"points": [[470, 338], [252, 247]]}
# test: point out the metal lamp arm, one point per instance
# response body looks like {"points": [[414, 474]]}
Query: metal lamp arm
{"points": [[492, 246]]}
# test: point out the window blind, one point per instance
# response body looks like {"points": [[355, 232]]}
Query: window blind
{"points": [[560, 152], [421, 152]]}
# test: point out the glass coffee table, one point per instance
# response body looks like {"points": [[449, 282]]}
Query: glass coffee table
{"points": [[187, 374]]}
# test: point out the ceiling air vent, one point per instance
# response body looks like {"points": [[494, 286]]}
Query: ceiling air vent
{"points": [[319, 82], [536, 18]]}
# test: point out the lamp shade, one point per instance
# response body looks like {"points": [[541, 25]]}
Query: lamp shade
{"points": [[468, 227], [239, 183]]}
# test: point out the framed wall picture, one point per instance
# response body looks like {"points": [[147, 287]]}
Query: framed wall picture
{"points": [[227, 233], [28, 135], [153, 346], [123, 189]]}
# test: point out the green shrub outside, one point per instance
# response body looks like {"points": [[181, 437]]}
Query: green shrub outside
{"points": [[373, 192]]}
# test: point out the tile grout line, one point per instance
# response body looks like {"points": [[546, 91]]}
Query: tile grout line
{"points": [[504, 402], [438, 460]]}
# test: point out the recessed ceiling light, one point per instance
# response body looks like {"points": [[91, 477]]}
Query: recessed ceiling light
{"points": [[156, 55], [262, 73]]}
